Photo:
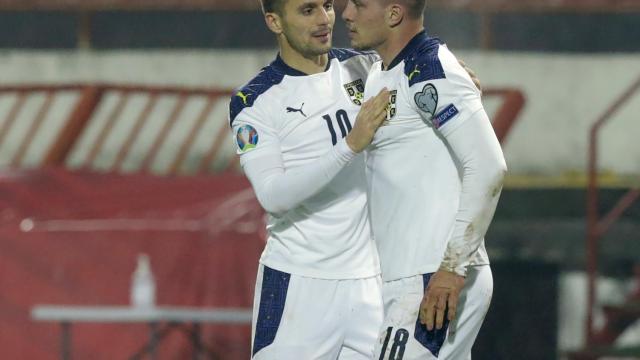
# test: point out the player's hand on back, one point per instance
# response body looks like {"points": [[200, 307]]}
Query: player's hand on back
{"points": [[440, 296], [372, 113], [472, 74]]}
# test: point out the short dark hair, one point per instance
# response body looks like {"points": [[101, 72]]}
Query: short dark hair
{"points": [[272, 6], [416, 8]]}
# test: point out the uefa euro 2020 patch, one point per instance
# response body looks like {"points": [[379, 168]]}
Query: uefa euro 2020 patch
{"points": [[445, 115], [247, 138]]}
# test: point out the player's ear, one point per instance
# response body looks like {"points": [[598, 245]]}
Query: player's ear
{"points": [[274, 22], [394, 15]]}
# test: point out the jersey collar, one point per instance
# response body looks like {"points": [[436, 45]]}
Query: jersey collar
{"points": [[288, 70], [411, 46]]}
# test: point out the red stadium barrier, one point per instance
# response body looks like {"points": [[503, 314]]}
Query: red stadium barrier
{"points": [[73, 238], [513, 102], [92, 101], [93, 119], [598, 225]]}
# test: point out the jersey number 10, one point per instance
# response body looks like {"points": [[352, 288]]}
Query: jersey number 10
{"points": [[343, 123]]}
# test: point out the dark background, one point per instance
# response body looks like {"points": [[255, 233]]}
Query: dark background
{"points": [[513, 31]]}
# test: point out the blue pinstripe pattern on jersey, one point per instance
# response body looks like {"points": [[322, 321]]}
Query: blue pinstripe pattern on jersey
{"points": [[272, 299], [272, 75], [245, 97], [346, 54], [420, 56], [422, 63], [432, 340]]}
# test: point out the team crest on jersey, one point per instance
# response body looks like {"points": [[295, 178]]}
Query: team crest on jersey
{"points": [[427, 99], [391, 107], [247, 138], [355, 89]]}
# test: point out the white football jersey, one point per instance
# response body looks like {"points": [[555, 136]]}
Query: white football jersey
{"points": [[414, 182], [301, 117]]}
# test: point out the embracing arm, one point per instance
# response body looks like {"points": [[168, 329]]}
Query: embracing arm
{"points": [[279, 189]]}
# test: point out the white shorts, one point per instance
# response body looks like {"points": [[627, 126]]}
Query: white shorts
{"points": [[300, 318], [403, 337]]}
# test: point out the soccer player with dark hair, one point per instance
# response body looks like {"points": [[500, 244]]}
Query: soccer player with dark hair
{"points": [[300, 127], [434, 172]]}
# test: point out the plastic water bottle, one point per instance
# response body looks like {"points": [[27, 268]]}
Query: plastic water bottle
{"points": [[143, 286]]}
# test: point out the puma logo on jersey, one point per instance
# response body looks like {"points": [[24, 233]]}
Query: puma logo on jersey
{"points": [[243, 97], [290, 110], [414, 72]]}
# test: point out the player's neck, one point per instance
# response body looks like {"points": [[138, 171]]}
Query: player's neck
{"points": [[307, 64], [397, 41]]}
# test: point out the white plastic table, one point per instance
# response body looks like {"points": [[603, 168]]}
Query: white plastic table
{"points": [[161, 320]]}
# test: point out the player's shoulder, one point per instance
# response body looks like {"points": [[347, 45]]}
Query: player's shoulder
{"points": [[363, 58], [246, 96], [343, 54], [423, 60]]}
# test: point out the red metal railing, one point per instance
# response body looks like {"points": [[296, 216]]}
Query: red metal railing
{"points": [[597, 226], [74, 138], [513, 102], [91, 98]]}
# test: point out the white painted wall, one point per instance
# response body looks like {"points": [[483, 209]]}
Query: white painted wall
{"points": [[565, 94], [572, 309]]}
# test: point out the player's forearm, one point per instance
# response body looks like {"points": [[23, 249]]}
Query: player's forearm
{"points": [[279, 190], [484, 168]]}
